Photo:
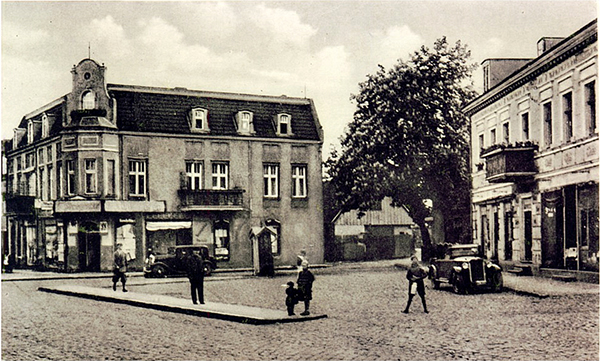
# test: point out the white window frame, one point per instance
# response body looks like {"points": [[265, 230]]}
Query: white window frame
{"points": [[282, 119], [567, 120], [137, 173], [194, 174], [199, 120], [271, 180], [589, 113], [299, 180], [71, 176], [45, 126], [88, 100], [245, 122], [90, 166], [220, 175], [548, 123]]}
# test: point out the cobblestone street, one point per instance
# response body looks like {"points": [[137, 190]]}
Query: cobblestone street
{"points": [[364, 323]]}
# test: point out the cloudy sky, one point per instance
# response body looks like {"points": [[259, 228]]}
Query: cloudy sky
{"points": [[318, 49]]}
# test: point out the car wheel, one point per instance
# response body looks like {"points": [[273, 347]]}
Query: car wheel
{"points": [[458, 286], [159, 271], [207, 269], [497, 282]]}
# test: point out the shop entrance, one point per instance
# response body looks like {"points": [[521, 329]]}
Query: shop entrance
{"points": [[88, 242]]}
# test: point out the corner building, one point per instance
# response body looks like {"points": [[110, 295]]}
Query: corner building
{"points": [[534, 160], [153, 168]]}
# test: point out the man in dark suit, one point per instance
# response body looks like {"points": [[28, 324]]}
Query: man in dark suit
{"points": [[195, 272]]}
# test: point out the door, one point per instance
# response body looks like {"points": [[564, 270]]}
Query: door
{"points": [[496, 236], [508, 236], [527, 235], [88, 241]]}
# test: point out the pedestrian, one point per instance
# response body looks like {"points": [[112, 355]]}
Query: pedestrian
{"points": [[415, 276], [301, 258], [305, 282], [194, 265], [120, 267], [291, 298]]}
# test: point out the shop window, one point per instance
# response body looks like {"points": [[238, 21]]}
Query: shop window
{"points": [[222, 240], [275, 238]]}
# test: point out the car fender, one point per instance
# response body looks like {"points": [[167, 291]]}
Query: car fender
{"points": [[457, 269], [495, 267], [159, 263], [432, 272]]}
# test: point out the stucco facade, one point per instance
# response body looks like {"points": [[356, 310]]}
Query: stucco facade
{"points": [[153, 168], [534, 141]]}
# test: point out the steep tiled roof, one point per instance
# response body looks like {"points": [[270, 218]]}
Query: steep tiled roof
{"points": [[166, 111]]}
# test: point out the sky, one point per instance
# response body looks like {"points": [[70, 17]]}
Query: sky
{"points": [[316, 49]]}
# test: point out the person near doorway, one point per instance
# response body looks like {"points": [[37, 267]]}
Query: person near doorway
{"points": [[305, 282], [415, 275], [194, 265], [120, 267], [301, 258]]}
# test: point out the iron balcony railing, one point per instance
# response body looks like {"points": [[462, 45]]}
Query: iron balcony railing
{"points": [[211, 197]]}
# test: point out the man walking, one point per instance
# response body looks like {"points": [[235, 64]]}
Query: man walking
{"points": [[195, 272], [415, 276], [120, 267]]}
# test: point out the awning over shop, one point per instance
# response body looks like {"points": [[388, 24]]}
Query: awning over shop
{"points": [[167, 225]]}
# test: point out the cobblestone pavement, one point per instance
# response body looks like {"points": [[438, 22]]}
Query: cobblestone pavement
{"points": [[364, 323]]}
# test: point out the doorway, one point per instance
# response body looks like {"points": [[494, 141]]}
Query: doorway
{"points": [[88, 241], [527, 235]]}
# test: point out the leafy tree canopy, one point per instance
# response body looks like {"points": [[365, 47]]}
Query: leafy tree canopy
{"points": [[409, 139]]}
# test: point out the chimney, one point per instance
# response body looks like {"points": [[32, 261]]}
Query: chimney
{"points": [[546, 43]]}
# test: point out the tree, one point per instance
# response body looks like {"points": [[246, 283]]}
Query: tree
{"points": [[409, 139]]}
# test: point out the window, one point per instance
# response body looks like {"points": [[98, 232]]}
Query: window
{"points": [[59, 177], [299, 181], [49, 154], [245, 122], [194, 175], [493, 136], [90, 176], [481, 142], [220, 175], [111, 177], [271, 179], [283, 127], [506, 133], [45, 126], [30, 129], [88, 100], [590, 106], [222, 240], [199, 119], [41, 156], [486, 78], [70, 177], [567, 104], [525, 126], [547, 114], [51, 185], [137, 178], [275, 238], [43, 186]]}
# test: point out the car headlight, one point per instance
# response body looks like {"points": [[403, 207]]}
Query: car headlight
{"points": [[465, 265]]}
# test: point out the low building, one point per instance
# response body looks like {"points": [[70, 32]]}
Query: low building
{"points": [[534, 141], [384, 233], [153, 168]]}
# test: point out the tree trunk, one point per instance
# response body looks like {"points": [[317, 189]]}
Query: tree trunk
{"points": [[426, 249]]}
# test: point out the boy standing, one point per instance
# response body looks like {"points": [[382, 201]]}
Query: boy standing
{"points": [[305, 282], [415, 276], [291, 298]]}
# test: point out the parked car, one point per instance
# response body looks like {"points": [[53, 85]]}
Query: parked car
{"points": [[465, 269], [173, 263]]}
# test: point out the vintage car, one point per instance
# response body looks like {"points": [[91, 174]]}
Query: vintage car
{"points": [[463, 267], [173, 263]]}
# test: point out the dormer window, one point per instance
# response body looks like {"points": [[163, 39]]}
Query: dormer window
{"points": [[30, 129], [45, 126], [88, 100], [199, 120], [284, 124], [245, 122]]}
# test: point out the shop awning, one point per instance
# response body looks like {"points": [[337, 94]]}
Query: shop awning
{"points": [[167, 225]]}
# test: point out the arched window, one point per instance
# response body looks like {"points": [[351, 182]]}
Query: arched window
{"points": [[88, 100], [275, 239]]}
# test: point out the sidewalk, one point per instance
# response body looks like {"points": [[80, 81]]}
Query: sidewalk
{"points": [[236, 313]]}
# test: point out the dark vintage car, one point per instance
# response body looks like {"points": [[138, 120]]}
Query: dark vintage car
{"points": [[465, 269], [173, 263]]}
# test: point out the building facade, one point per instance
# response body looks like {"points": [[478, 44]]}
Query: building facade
{"points": [[153, 168], [534, 141]]}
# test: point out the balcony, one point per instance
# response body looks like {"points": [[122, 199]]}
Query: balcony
{"points": [[210, 199], [19, 204], [510, 163]]}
